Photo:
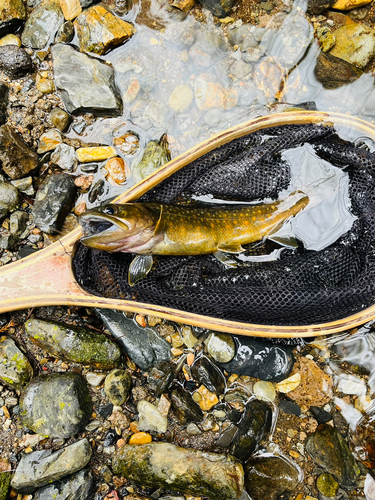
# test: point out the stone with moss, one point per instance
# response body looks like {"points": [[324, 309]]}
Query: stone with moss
{"points": [[15, 369], [74, 343], [56, 405], [116, 386], [4, 484], [197, 473]]}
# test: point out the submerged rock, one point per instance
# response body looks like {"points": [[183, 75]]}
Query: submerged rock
{"points": [[99, 31], [86, 84], [362, 439], [117, 385], [42, 24], [184, 407], [15, 369], [12, 15], [219, 8], [79, 486], [53, 202], [155, 156], [9, 198], [39, 468], [75, 343], [221, 347], [143, 345], [161, 377], [209, 375], [268, 477], [56, 405], [315, 388], [213, 95], [163, 465], [333, 72], [329, 450], [260, 359], [15, 155], [254, 425]]}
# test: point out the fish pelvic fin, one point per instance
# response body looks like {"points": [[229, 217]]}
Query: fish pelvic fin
{"points": [[139, 267], [231, 248]]}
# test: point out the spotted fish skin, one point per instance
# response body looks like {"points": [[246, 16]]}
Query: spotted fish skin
{"points": [[154, 229]]}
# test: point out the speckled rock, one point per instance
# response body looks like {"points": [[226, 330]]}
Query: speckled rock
{"points": [[219, 8], [56, 405], [188, 471], [263, 360], [53, 201], [15, 369], [116, 386], [74, 343], [42, 24], [65, 157], [161, 377], [79, 486], [184, 407], [333, 72], [329, 450], [9, 199], [16, 157], [12, 14], [213, 95], [268, 477], [39, 468], [99, 31], [355, 44], [315, 388], [86, 84], [220, 346], [150, 418]]}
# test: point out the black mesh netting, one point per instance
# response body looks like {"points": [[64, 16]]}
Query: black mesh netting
{"points": [[302, 287]]}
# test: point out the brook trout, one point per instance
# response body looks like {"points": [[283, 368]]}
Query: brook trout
{"points": [[153, 229]]}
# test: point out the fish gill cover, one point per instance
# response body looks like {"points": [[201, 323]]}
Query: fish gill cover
{"points": [[302, 286]]}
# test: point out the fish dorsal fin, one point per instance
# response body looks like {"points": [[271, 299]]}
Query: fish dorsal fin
{"points": [[231, 248], [139, 268]]}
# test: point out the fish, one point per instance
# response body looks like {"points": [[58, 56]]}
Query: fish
{"points": [[149, 229]]}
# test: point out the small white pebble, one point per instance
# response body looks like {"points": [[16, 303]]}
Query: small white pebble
{"points": [[264, 390]]}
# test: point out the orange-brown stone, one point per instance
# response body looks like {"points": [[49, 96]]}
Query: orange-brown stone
{"points": [[116, 170], [315, 388]]}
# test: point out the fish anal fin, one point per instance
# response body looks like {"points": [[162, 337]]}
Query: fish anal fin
{"points": [[231, 248], [139, 267], [223, 258]]}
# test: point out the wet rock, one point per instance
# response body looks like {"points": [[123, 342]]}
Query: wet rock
{"points": [[70, 8], [220, 346], [181, 98], [140, 438], [327, 486], [99, 153], [207, 374], [184, 407], [150, 418], [268, 477], [188, 471], [320, 415], [15, 369], [99, 31], [79, 486], [226, 437], [263, 360], [42, 25], [355, 44], [127, 143], [4, 484], [59, 119], [264, 390], [74, 343], [208, 49], [15, 62], [56, 405], [17, 222], [161, 377], [24, 185], [362, 439], [65, 157], [4, 93], [254, 425], [205, 398], [290, 408], [86, 84], [44, 85], [213, 95], [349, 4], [318, 6], [156, 154], [39, 468], [326, 38], [53, 201], [16, 157], [10, 40], [117, 385], [116, 169], [9, 199], [12, 14], [329, 450], [245, 36], [219, 8], [65, 33], [49, 141], [315, 388], [95, 379], [241, 69], [143, 345], [333, 72]]}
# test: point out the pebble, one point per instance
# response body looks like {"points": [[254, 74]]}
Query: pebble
{"points": [[16, 156], [39, 468], [128, 144], [213, 95], [9, 199], [59, 119], [56, 405], [205, 398], [349, 4], [220, 346], [150, 418], [140, 438], [193, 430], [155, 155], [264, 390], [79, 486], [65, 157], [45, 85], [24, 185], [15, 62], [49, 141], [355, 44], [326, 38], [181, 98], [164, 405], [15, 369], [315, 388], [10, 40], [333, 72], [327, 486], [70, 8], [17, 223], [116, 170], [86, 155], [117, 386], [290, 408], [95, 379], [42, 25], [208, 374], [185, 408], [289, 384]]}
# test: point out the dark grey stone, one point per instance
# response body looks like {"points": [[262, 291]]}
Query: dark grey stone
{"points": [[290, 408], [8, 198], [320, 415], [319, 6], [86, 84], [184, 407], [4, 93], [79, 486], [65, 33], [206, 373], [143, 345], [42, 25], [14, 61], [53, 202], [219, 8], [18, 221], [161, 377], [15, 155]]}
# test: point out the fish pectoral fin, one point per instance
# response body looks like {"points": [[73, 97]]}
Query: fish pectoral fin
{"points": [[225, 259], [231, 248], [139, 268]]}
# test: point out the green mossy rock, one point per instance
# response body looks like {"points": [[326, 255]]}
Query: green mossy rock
{"points": [[15, 369], [75, 344], [116, 386], [4, 484]]}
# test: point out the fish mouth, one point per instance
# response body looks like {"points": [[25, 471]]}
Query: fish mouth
{"points": [[94, 225]]}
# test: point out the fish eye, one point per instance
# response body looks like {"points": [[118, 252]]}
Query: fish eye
{"points": [[109, 210]]}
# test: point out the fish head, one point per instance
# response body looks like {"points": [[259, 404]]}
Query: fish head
{"points": [[128, 227]]}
